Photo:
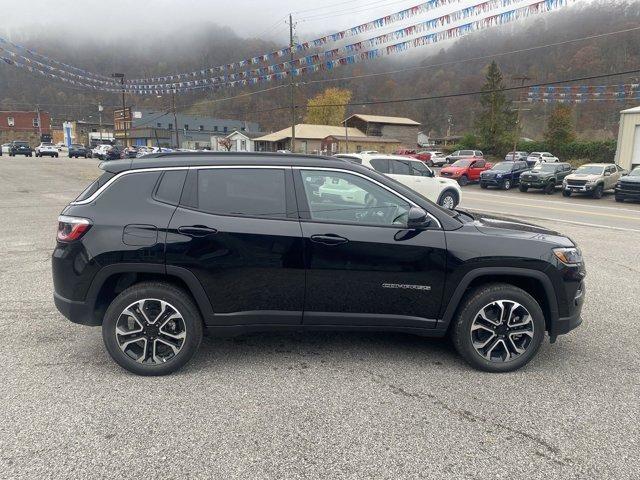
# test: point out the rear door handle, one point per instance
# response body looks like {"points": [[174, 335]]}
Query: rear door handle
{"points": [[197, 231], [329, 239]]}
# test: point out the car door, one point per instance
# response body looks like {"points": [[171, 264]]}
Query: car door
{"points": [[363, 267], [562, 172], [612, 179], [475, 169], [236, 229]]}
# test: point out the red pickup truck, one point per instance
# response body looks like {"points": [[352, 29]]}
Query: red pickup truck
{"points": [[466, 170], [424, 156]]}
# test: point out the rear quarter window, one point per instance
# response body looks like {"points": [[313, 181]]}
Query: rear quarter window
{"points": [[94, 186], [170, 186]]}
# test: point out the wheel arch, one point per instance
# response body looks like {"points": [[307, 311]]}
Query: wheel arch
{"points": [[450, 189], [534, 282], [110, 281]]}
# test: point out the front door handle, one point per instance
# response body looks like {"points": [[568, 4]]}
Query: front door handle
{"points": [[197, 231], [329, 239]]}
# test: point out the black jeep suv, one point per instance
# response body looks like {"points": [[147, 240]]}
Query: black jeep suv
{"points": [[18, 147], [545, 176], [628, 187], [160, 248]]}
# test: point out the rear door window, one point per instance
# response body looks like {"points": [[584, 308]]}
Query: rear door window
{"points": [[381, 165], [400, 167], [258, 192]]}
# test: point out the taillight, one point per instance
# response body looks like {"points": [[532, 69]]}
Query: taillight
{"points": [[72, 228]]}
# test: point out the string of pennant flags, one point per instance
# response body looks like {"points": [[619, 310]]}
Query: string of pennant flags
{"points": [[378, 23], [453, 17], [309, 64], [584, 93]]}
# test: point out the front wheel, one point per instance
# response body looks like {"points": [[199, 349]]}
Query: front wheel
{"points": [[483, 186], [597, 192], [550, 188], [463, 181], [523, 188], [449, 200], [499, 328], [566, 193], [152, 328], [619, 199]]}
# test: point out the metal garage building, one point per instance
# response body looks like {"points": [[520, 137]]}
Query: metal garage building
{"points": [[628, 153]]}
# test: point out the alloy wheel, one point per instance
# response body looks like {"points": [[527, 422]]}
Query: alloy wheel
{"points": [[151, 331], [502, 331], [448, 202]]}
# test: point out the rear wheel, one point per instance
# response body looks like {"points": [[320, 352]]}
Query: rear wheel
{"points": [[499, 329], [484, 186], [463, 180], [523, 188], [152, 329], [597, 192], [550, 188]]}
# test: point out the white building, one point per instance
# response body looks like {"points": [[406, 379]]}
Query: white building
{"points": [[243, 141], [628, 152]]}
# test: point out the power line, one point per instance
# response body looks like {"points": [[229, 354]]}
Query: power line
{"points": [[450, 95], [436, 65]]}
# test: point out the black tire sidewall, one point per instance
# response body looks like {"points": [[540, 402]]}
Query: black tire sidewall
{"points": [[176, 297], [461, 328]]}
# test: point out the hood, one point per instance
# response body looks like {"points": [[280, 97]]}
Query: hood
{"points": [[538, 173], [630, 179], [588, 178], [500, 226], [453, 169]]}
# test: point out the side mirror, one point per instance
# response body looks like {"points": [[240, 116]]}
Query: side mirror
{"points": [[417, 218], [607, 174]]}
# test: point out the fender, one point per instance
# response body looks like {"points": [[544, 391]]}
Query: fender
{"points": [[193, 284], [460, 290]]}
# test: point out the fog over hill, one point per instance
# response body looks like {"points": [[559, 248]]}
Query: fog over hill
{"points": [[173, 47]]}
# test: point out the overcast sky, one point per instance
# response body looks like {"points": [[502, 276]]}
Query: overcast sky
{"points": [[249, 18]]}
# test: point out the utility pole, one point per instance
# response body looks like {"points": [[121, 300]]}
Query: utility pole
{"points": [[449, 125], [346, 136], [100, 108], [39, 122], [293, 87], [522, 79], [175, 116], [124, 105]]}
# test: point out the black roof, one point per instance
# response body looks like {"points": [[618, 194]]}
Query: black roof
{"points": [[193, 159]]}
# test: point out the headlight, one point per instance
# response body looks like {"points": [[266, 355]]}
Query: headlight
{"points": [[499, 175], [568, 256]]}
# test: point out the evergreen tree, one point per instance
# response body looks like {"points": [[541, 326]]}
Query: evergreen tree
{"points": [[495, 124], [560, 129]]}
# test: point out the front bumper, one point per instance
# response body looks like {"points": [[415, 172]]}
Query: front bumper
{"points": [[627, 194], [579, 188], [492, 182], [564, 325]]}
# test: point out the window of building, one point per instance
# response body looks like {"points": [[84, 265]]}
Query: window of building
{"points": [[243, 145], [171, 126], [11, 121], [201, 128], [186, 127], [215, 128], [225, 129], [242, 192], [159, 125], [36, 123], [242, 129]]}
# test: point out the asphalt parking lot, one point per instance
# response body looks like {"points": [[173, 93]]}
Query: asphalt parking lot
{"points": [[329, 405]]}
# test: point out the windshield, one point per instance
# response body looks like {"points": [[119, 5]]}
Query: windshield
{"points": [[535, 154], [589, 170], [503, 167], [22, 144], [462, 163], [545, 167], [467, 153]]}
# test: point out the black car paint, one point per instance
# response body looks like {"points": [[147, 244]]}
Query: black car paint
{"points": [[251, 274], [628, 188], [20, 148], [79, 151]]}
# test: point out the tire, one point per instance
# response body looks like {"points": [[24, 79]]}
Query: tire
{"points": [[597, 192], [449, 199], [619, 199], [566, 193], [483, 186], [56, 155], [463, 181], [483, 299], [430, 163], [550, 188], [506, 185], [523, 188], [189, 325]]}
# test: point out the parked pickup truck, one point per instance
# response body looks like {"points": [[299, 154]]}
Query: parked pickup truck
{"points": [[628, 188], [545, 176], [593, 179], [466, 170]]}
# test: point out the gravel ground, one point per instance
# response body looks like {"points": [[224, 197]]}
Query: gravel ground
{"points": [[305, 405]]}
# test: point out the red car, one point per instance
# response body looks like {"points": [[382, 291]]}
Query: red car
{"points": [[466, 170], [424, 156]]}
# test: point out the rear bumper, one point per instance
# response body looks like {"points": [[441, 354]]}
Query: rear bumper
{"points": [[75, 311]]}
